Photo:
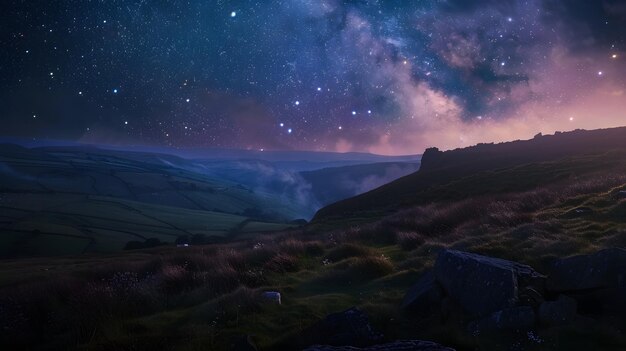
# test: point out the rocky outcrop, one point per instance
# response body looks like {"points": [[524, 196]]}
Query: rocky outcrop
{"points": [[402, 345], [497, 295], [425, 296], [604, 269], [515, 318], [561, 311], [348, 328], [482, 285]]}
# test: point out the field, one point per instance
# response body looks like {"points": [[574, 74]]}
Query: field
{"points": [[201, 297]]}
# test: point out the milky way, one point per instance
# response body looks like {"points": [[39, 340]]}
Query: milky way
{"points": [[389, 77]]}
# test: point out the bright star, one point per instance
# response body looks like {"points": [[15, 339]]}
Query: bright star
{"points": [[369, 112], [510, 19], [354, 113], [600, 73], [340, 128], [233, 14], [613, 56], [282, 125], [289, 130], [114, 91], [187, 100], [125, 122], [571, 119], [297, 103], [319, 89]]}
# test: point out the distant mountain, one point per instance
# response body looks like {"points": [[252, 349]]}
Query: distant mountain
{"points": [[468, 171], [329, 185], [289, 159], [74, 198]]}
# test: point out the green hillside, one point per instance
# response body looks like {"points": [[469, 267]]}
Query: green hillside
{"points": [[74, 200]]}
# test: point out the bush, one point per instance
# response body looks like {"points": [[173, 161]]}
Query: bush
{"points": [[409, 240], [344, 251], [358, 270], [282, 263]]}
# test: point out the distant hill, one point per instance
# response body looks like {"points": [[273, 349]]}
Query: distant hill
{"points": [[63, 199], [490, 168], [329, 185]]}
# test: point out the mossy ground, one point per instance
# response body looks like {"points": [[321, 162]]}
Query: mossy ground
{"points": [[198, 298]]}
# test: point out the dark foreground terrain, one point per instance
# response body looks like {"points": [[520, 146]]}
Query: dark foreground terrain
{"points": [[480, 258]]}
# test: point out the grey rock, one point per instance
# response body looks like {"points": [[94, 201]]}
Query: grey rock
{"points": [[480, 284], [242, 343], [516, 318], [604, 269], [272, 296], [425, 296], [348, 328], [401, 345], [561, 311], [609, 301]]}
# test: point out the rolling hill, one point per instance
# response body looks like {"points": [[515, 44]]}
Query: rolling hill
{"points": [[63, 199], [490, 168]]}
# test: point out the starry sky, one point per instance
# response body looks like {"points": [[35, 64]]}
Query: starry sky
{"points": [[388, 77]]}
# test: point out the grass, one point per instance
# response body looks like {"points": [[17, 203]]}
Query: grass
{"points": [[201, 297]]}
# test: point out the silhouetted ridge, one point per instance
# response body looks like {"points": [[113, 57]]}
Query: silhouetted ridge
{"points": [[441, 167]]}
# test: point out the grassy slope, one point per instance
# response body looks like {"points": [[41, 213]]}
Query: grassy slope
{"points": [[59, 201], [528, 217], [440, 170]]}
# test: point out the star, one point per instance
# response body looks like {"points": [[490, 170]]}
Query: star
{"points": [[369, 112], [289, 130], [282, 125], [114, 91], [233, 14], [297, 103], [187, 100], [614, 56], [319, 89], [354, 113], [600, 73]]}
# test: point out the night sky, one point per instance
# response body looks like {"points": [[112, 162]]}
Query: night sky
{"points": [[389, 77]]}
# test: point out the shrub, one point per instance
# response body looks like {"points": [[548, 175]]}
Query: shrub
{"points": [[344, 251], [282, 263], [409, 240], [358, 270], [371, 266]]}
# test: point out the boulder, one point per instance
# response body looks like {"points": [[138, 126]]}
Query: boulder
{"points": [[401, 345], [425, 296], [559, 312], [482, 285], [242, 343], [348, 328], [604, 269], [515, 318], [272, 296], [609, 301]]}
